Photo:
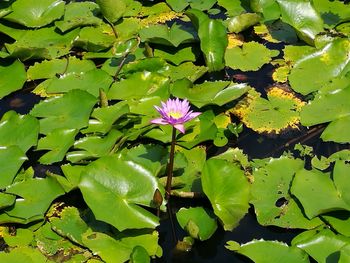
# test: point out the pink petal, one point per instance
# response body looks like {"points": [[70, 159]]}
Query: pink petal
{"points": [[159, 121], [194, 114], [180, 127]]}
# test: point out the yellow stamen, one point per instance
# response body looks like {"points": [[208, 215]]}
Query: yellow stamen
{"points": [[175, 114]]}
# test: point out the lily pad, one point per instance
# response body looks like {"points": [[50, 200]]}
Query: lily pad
{"points": [[249, 57], [19, 130], [273, 116], [12, 158], [257, 250], [31, 206], [64, 112], [57, 142], [242, 22], [332, 12], [317, 193], [23, 254], [331, 107], [197, 221], [50, 68], [12, 77], [91, 81], [112, 10], [161, 34], [268, 8], [271, 198], [228, 191], [36, 13], [217, 93], [331, 62], [79, 14], [110, 184], [303, 17]]}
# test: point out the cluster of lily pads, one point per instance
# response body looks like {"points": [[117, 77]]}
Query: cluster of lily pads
{"points": [[101, 66]]}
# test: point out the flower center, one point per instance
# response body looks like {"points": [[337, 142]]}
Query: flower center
{"points": [[175, 114]]}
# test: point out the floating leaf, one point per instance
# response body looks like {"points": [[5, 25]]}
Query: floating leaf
{"points": [[332, 12], [112, 10], [250, 56], [161, 34], [63, 111], [322, 245], [23, 237], [43, 43], [303, 17], [257, 250], [234, 8], [110, 184], [103, 118], [331, 107], [19, 130], [339, 221], [92, 147], [197, 221], [34, 13], [217, 93], [269, 8], [273, 116], [11, 158], [316, 192], [176, 56], [144, 83], [186, 70], [57, 142], [31, 206], [139, 255], [79, 14], [242, 22], [213, 39], [272, 201], [23, 254], [91, 81], [12, 77], [228, 189], [50, 68], [6, 199], [276, 32], [331, 62]]}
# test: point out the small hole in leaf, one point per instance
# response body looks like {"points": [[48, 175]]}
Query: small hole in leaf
{"points": [[281, 202]]}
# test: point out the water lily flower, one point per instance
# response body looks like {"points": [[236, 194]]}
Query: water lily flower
{"points": [[175, 112]]}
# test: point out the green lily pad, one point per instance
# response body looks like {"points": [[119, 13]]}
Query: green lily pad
{"points": [[19, 130], [12, 158], [197, 221], [339, 221], [34, 13], [23, 254], [268, 8], [23, 237], [303, 17], [43, 43], [323, 246], [57, 142], [331, 62], [50, 68], [234, 8], [250, 56], [217, 93], [272, 201], [276, 32], [332, 12], [95, 39], [331, 107], [144, 83], [6, 200], [139, 255], [92, 147], [228, 191], [110, 184], [63, 111], [273, 116], [242, 22], [79, 14], [31, 206], [317, 193], [257, 250], [91, 81], [161, 34], [186, 70], [103, 118], [12, 77], [176, 56], [112, 10], [213, 39]]}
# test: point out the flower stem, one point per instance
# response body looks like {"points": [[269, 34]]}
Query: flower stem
{"points": [[170, 165]]}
